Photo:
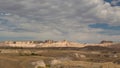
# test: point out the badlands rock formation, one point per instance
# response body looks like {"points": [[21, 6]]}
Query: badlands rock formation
{"points": [[51, 43]]}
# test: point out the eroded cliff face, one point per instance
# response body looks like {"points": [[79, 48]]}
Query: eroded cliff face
{"points": [[51, 43]]}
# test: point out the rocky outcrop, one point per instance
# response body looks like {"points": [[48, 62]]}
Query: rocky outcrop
{"points": [[39, 64], [106, 42]]}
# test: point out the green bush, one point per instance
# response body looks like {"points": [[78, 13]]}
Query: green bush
{"points": [[40, 67]]}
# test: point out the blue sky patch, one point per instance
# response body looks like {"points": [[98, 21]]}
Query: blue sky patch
{"points": [[108, 1], [113, 2], [104, 26]]}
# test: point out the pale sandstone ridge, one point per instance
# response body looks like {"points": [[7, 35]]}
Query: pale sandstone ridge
{"points": [[63, 43], [51, 43]]}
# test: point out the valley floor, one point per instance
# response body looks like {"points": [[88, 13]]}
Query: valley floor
{"points": [[59, 58]]}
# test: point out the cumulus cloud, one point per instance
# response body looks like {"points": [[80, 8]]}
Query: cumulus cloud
{"points": [[58, 19]]}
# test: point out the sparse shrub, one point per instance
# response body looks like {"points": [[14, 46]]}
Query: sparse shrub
{"points": [[117, 61], [40, 67], [77, 66], [57, 66], [101, 67], [34, 54], [48, 66]]}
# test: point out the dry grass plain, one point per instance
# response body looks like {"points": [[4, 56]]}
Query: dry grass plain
{"points": [[59, 58]]}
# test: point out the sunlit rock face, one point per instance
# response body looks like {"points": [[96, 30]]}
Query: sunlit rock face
{"points": [[113, 2]]}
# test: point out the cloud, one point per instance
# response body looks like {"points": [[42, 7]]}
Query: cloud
{"points": [[58, 19]]}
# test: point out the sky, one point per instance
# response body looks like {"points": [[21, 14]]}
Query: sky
{"points": [[88, 21]]}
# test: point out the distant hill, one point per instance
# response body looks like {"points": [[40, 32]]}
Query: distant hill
{"points": [[51, 43]]}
